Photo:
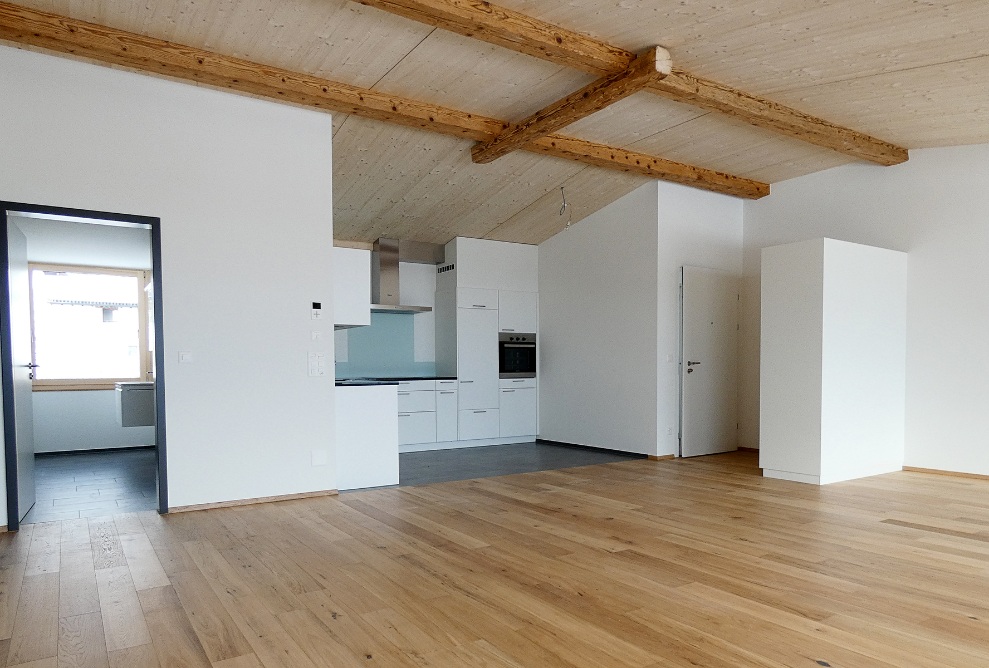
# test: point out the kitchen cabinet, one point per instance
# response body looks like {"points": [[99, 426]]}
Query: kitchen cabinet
{"points": [[477, 298], [351, 288], [477, 360], [446, 411], [518, 311], [416, 428], [517, 412], [475, 424]]}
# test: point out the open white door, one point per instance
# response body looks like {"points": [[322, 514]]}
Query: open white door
{"points": [[708, 362], [22, 366]]}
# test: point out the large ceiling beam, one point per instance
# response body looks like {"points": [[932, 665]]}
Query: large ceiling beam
{"points": [[525, 34], [20, 25], [647, 67]]}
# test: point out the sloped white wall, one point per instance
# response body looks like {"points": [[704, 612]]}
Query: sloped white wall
{"points": [[243, 189], [935, 207]]}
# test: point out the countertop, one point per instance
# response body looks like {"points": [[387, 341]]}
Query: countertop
{"points": [[358, 382]]}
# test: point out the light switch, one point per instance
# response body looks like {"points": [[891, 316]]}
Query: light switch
{"points": [[317, 335], [317, 364], [317, 310]]}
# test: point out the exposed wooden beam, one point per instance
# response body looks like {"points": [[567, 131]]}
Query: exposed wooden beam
{"points": [[624, 160], [60, 34], [650, 66], [525, 34]]}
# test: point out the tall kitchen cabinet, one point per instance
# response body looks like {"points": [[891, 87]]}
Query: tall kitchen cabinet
{"points": [[483, 288]]}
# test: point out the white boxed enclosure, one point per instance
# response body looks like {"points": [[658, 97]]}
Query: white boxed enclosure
{"points": [[833, 361]]}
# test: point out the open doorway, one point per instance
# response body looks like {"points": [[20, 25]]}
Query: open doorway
{"points": [[83, 392]]}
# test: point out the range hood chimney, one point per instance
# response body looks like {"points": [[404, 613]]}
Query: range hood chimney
{"points": [[385, 292]]}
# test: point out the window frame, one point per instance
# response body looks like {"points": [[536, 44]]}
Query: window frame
{"points": [[143, 277]]}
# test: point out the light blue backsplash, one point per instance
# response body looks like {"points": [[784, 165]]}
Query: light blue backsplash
{"points": [[384, 348]]}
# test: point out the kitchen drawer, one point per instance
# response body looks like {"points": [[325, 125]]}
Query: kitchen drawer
{"points": [[416, 385], [415, 402], [516, 383], [477, 298], [479, 424], [446, 415], [446, 384], [416, 428]]}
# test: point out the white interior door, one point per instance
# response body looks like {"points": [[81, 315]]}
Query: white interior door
{"points": [[20, 353], [708, 362]]}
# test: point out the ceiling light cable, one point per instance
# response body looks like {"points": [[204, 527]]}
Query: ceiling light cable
{"points": [[566, 208]]}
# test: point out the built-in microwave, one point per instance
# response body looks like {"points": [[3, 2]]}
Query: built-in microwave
{"points": [[516, 355]]}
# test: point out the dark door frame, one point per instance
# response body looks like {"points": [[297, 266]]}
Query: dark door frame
{"points": [[6, 363]]}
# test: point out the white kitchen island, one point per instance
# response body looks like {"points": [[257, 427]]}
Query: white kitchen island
{"points": [[367, 435]]}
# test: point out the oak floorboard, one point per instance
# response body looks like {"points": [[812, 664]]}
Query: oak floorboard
{"points": [[35, 633], [123, 619], [142, 656], [81, 643]]}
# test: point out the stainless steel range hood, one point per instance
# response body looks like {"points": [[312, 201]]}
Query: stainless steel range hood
{"points": [[385, 289]]}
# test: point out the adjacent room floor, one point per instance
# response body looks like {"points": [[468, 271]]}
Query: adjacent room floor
{"points": [[92, 484], [421, 468]]}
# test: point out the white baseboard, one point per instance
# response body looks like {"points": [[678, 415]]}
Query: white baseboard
{"points": [[454, 445], [792, 477]]}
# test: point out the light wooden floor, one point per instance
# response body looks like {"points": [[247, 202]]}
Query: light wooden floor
{"points": [[641, 564]]}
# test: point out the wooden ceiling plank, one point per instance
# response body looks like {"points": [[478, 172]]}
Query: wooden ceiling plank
{"points": [[647, 67], [103, 44], [513, 30], [624, 160], [108, 45]]}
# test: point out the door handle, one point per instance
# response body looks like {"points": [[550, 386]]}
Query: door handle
{"points": [[692, 363], [32, 366]]}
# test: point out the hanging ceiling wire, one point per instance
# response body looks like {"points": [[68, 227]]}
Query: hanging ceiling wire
{"points": [[566, 208]]}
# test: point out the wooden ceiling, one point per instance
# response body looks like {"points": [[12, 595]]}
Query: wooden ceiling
{"points": [[911, 74]]}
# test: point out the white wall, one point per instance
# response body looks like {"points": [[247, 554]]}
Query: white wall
{"points": [[609, 316], [934, 207], [82, 420], [243, 418], [597, 328]]}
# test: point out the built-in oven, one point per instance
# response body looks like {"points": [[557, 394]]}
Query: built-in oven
{"points": [[516, 355]]}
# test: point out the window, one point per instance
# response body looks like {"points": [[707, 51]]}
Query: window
{"points": [[89, 326]]}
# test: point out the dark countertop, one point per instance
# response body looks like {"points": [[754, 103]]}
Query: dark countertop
{"points": [[358, 382]]}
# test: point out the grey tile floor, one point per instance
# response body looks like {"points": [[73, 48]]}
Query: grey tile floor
{"points": [[421, 468], [93, 484]]}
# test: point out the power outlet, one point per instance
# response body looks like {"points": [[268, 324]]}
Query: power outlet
{"points": [[317, 364]]}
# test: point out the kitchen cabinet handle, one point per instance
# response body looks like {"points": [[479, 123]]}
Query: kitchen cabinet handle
{"points": [[448, 392], [518, 381], [405, 415], [480, 305], [404, 394], [508, 390], [505, 329], [480, 412], [464, 382]]}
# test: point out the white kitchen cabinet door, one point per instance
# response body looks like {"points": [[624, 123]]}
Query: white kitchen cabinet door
{"points": [[351, 287], [446, 415], [518, 311], [477, 358], [416, 428], [477, 298], [477, 424], [517, 413]]}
